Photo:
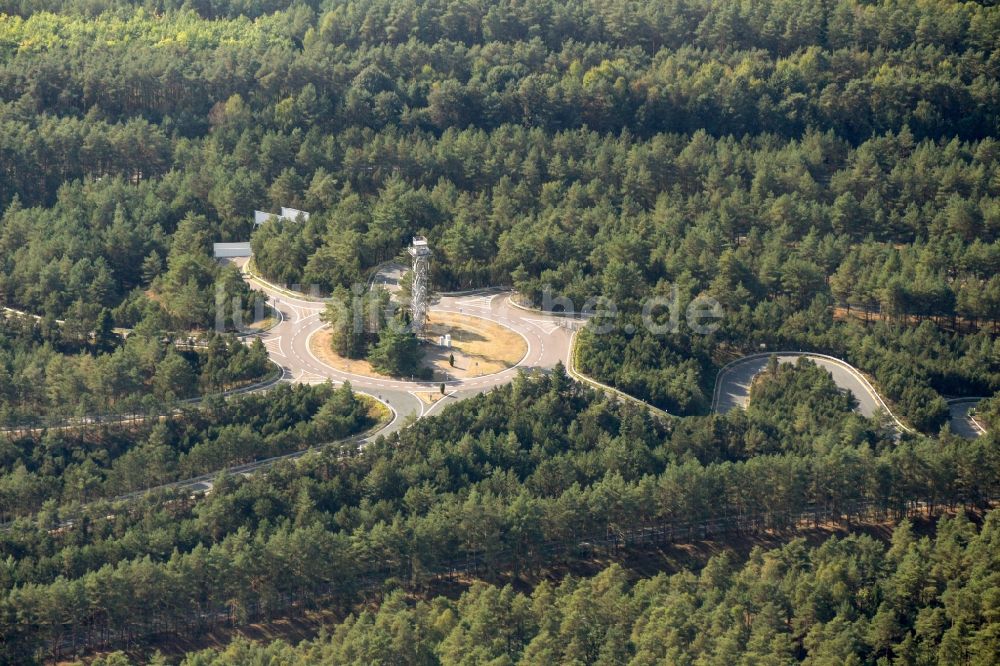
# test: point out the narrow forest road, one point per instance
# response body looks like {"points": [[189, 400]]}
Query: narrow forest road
{"points": [[962, 421], [732, 389], [549, 338]]}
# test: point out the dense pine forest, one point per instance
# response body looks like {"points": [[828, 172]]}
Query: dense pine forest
{"points": [[828, 171], [48, 380], [505, 482], [848, 601], [776, 156], [69, 466]]}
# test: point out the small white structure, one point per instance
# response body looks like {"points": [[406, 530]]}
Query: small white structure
{"points": [[230, 250], [287, 214], [419, 247], [292, 214]]}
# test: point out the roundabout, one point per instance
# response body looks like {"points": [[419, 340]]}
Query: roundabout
{"points": [[478, 347], [545, 341]]}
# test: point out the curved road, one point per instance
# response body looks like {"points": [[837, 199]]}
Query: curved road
{"points": [[732, 389], [288, 343], [962, 422], [549, 340]]}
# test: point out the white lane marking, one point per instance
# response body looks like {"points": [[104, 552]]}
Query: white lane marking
{"points": [[420, 402], [544, 324], [277, 343], [476, 302], [443, 398], [306, 377], [392, 410], [301, 310]]}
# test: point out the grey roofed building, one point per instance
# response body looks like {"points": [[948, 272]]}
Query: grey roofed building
{"points": [[230, 250], [288, 214]]}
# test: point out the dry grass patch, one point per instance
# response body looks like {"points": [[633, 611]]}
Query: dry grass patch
{"points": [[429, 397], [480, 346], [269, 320], [321, 348], [376, 410]]}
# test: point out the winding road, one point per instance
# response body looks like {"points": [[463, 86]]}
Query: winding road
{"points": [[548, 339], [962, 421], [732, 389]]}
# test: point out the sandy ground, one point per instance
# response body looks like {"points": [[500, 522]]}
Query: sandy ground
{"points": [[320, 346], [480, 347], [429, 397]]}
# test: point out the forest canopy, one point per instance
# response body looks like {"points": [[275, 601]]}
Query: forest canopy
{"points": [[827, 171], [510, 480], [847, 601]]}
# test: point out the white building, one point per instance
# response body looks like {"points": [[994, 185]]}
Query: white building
{"points": [[287, 214], [293, 214], [260, 217], [230, 250]]}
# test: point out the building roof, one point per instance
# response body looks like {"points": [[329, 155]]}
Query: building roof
{"points": [[221, 250]]}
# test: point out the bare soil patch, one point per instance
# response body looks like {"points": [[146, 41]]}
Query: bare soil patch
{"points": [[480, 347], [429, 397], [320, 347]]}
